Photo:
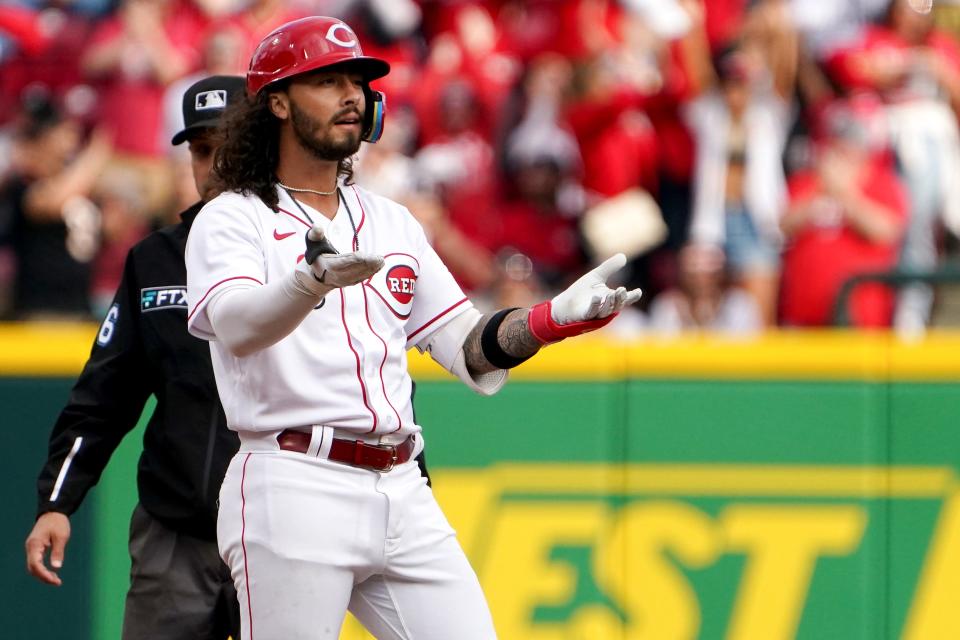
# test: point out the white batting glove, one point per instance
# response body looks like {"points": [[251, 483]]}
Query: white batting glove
{"points": [[324, 268], [586, 305]]}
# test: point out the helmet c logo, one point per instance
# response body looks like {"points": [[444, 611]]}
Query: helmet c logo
{"points": [[332, 35]]}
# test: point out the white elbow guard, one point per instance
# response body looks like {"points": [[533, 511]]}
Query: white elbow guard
{"points": [[445, 346]]}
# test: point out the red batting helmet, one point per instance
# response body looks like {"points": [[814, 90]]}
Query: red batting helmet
{"points": [[305, 45]]}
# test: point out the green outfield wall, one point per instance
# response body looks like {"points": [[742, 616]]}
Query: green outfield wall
{"points": [[797, 486]]}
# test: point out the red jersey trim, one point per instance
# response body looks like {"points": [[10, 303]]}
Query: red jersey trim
{"points": [[435, 318], [200, 301], [295, 217], [401, 253], [243, 542], [356, 356], [385, 303], [383, 384]]}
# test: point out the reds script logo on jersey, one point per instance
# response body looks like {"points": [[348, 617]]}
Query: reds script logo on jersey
{"points": [[396, 283]]}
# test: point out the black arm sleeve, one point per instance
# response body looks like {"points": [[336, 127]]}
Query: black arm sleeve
{"points": [[103, 407]]}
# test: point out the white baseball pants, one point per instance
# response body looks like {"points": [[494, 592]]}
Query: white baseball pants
{"points": [[306, 539]]}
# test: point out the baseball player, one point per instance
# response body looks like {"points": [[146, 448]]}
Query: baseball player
{"points": [[311, 290], [179, 586]]}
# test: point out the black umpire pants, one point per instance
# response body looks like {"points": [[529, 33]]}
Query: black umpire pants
{"points": [[179, 587]]}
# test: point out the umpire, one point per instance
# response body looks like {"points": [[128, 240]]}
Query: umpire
{"points": [[179, 587]]}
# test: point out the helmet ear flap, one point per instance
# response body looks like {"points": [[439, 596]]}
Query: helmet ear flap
{"points": [[373, 116]]}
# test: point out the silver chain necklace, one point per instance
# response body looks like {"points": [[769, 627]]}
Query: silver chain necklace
{"points": [[313, 191], [356, 231]]}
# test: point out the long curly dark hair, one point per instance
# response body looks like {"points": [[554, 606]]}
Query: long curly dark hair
{"points": [[246, 160]]}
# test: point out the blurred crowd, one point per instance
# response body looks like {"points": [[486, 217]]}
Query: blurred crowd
{"points": [[748, 156]]}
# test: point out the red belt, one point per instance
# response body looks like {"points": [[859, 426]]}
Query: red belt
{"points": [[358, 453]]}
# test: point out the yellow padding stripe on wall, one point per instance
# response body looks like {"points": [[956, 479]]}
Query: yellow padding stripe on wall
{"points": [[54, 349], [44, 349], [722, 480]]}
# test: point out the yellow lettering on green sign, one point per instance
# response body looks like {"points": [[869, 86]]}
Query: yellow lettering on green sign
{"points": [[782, 545]]}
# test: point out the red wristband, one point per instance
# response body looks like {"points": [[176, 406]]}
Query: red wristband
{"points": [[547, 331]]}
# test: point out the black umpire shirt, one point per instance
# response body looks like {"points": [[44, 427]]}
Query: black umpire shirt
{"points": [[143, 348]]}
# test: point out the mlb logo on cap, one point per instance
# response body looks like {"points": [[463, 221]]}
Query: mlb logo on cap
{"points": [[204, 102], [216, 99]]}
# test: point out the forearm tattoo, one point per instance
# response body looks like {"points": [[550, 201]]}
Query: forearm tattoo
{"points": [[513, 336]]}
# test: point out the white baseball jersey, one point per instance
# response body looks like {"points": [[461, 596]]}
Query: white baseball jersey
{"points": [[345, 365]]}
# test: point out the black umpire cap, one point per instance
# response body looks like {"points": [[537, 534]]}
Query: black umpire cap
{"points": [[204, 102]]}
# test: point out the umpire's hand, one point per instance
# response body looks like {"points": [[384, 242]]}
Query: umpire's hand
{"points": [[51, 531]]}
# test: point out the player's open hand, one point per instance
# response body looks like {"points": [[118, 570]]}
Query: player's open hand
{"points": [[51, 531], [586, 305], [332, 269], [589, 298]]}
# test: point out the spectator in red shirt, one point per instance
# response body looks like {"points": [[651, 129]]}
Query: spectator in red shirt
{"points": [[724, 21], [48, 47], [915, 69], [627, 118], [134, 55], [686, 64], [463, 48], [458, 164], [526, 29], [539, 216], [616, 88], [846, 218]]}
